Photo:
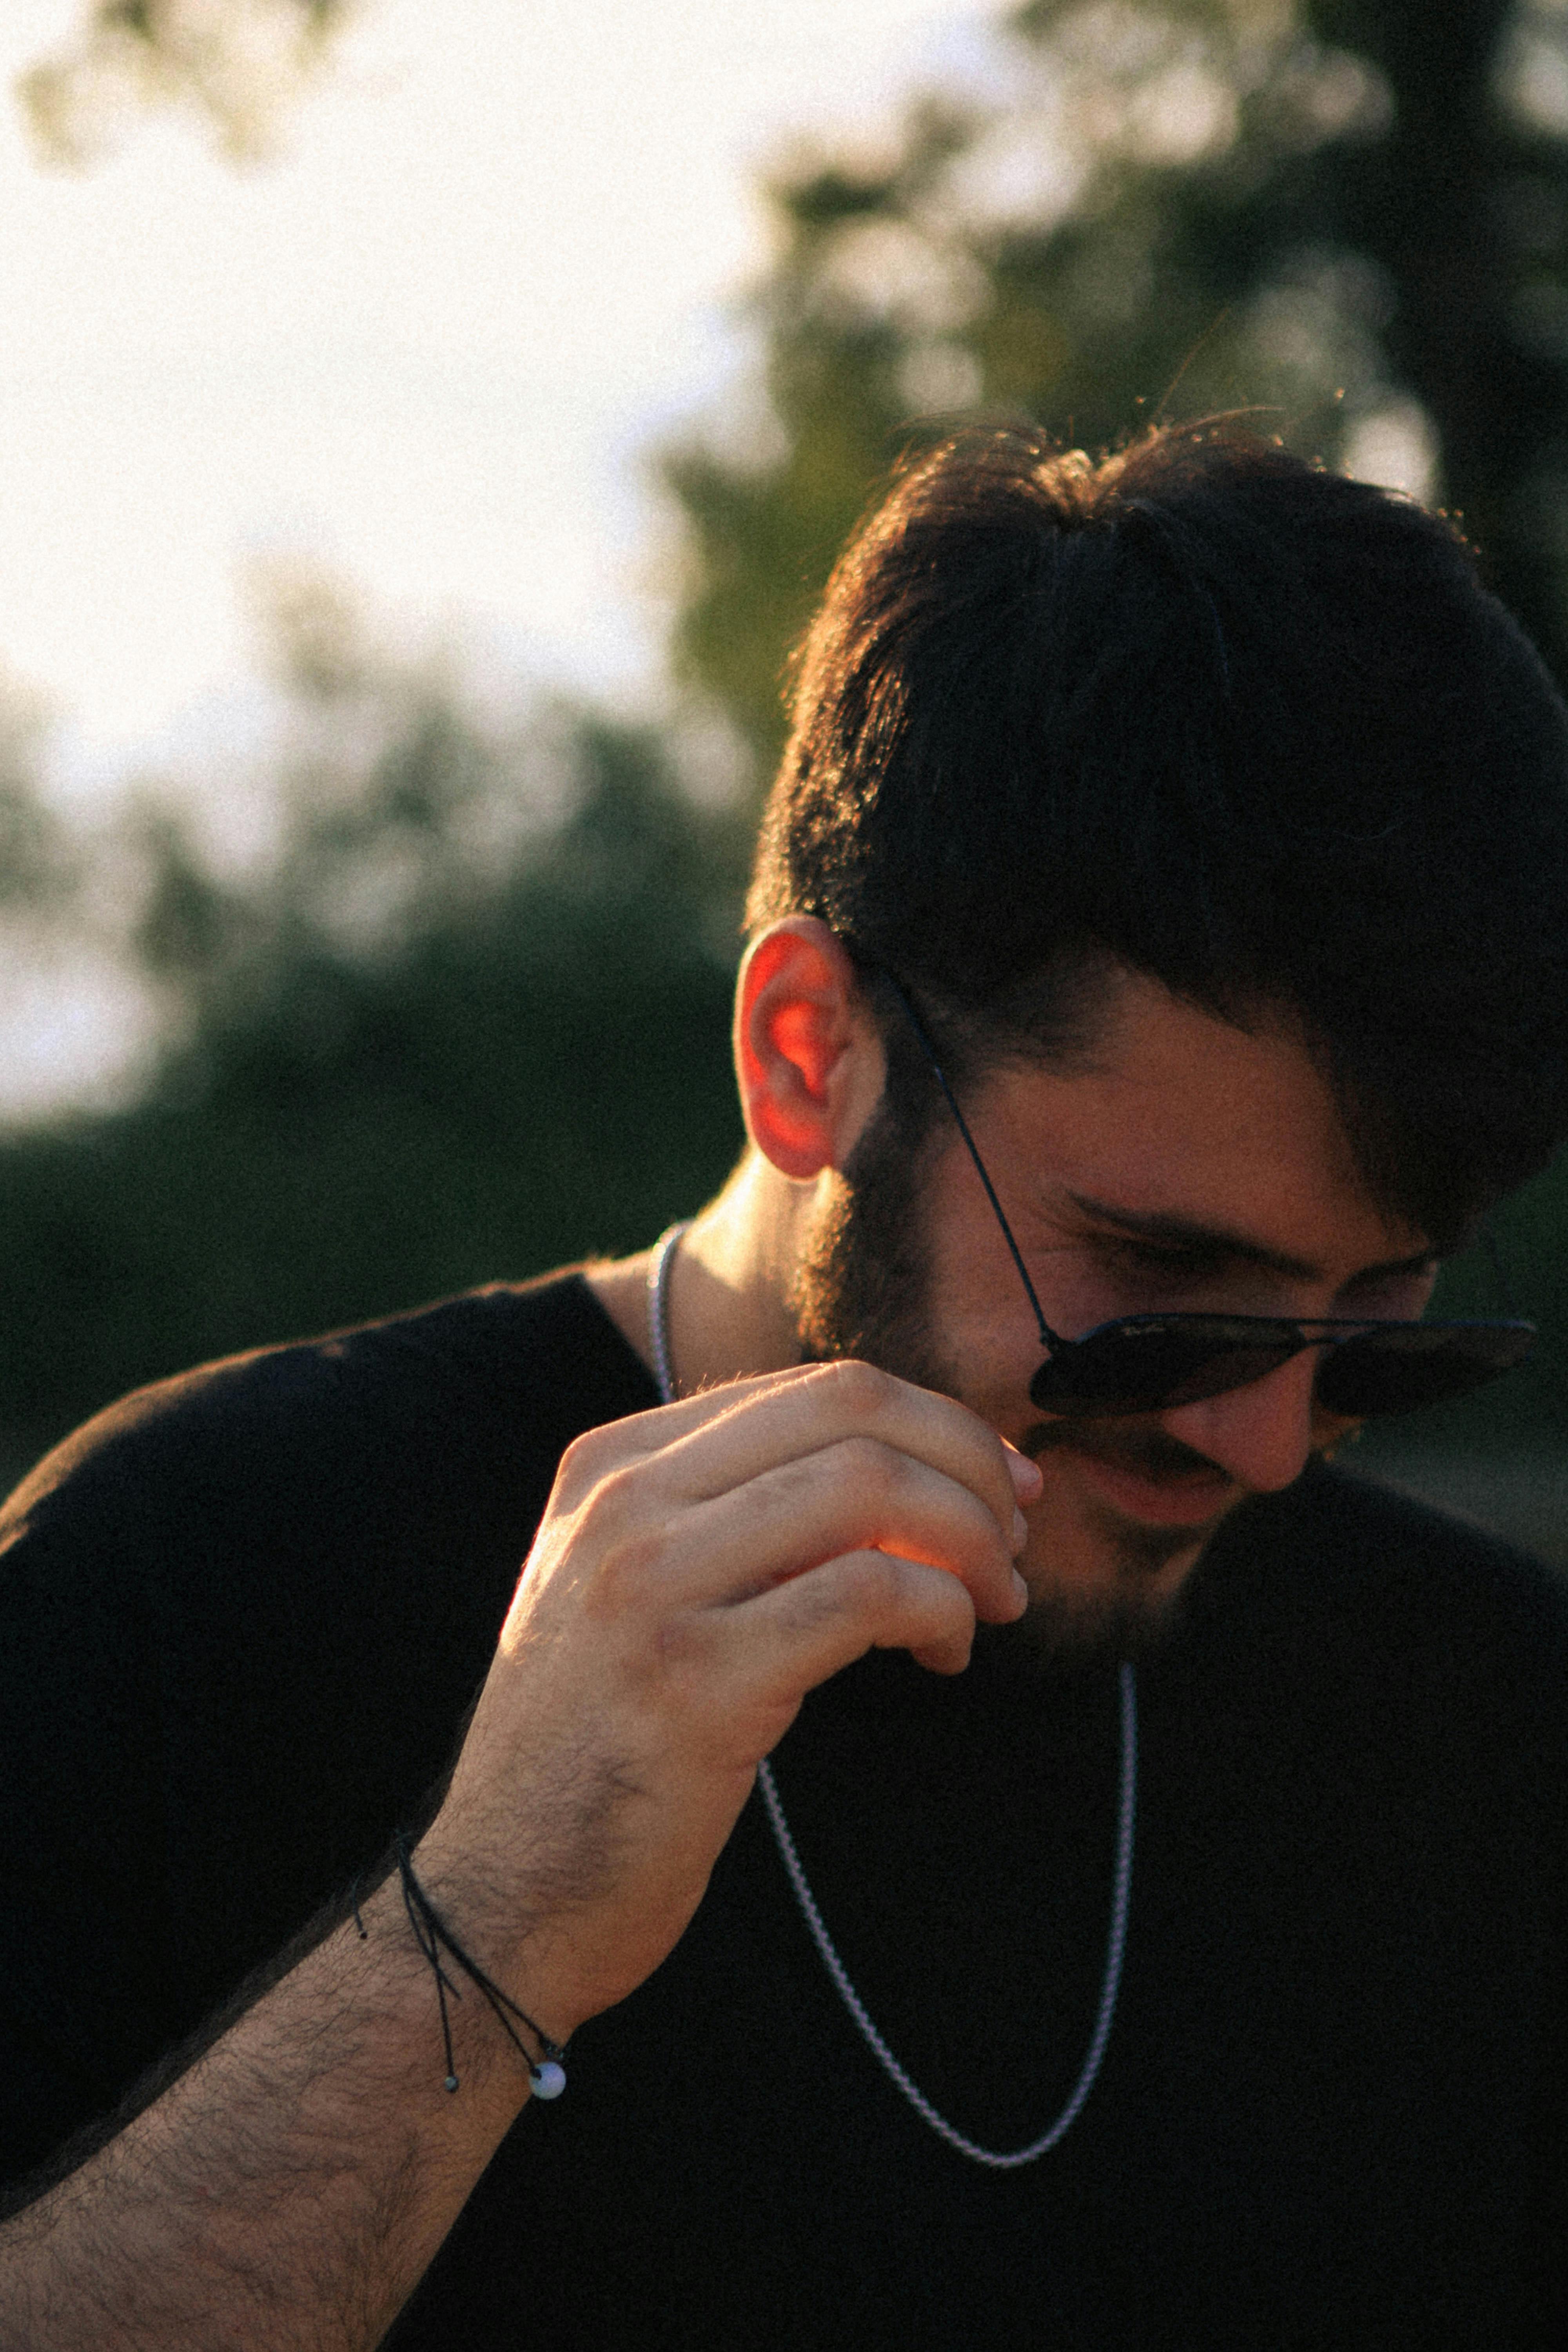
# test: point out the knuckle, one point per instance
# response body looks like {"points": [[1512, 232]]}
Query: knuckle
{"points": [[809, 1602], [626, 1573], [873, 1469], [609, 1503], [862, 1391], [583, 1463], [876, 1580]]}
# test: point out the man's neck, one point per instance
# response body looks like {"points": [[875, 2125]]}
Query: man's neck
{"points": [[730, 1285]]}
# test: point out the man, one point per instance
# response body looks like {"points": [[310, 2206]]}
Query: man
{"points": [[1159, 934]]}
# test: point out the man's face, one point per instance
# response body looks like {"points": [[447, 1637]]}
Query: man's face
{"points": [[1186, 1165]]}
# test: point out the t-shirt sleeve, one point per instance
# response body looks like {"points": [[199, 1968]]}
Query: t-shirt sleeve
{"points": [[245, 1614]]}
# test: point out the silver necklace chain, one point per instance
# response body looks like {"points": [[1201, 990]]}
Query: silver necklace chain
{"points": [[1121, 1888]]}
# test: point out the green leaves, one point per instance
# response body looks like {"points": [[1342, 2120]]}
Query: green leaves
{"points": [[239, 65], [1344, 215], [469, 1019]]}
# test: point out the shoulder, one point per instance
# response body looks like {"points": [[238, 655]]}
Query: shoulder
{"points": [[242, 1614], [341, 1519], [406, 1395]]}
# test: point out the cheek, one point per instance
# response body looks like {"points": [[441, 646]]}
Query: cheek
{"points": [[992, 1349], [978, 1307]]}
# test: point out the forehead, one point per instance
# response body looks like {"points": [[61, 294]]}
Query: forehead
{"points": [[1176, 1113]]}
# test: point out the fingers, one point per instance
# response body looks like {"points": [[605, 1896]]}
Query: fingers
{"points": [[710, 1444], [832, 1506], [699, 1569], [820, 1404], [800, 1634], [858, 1494]]}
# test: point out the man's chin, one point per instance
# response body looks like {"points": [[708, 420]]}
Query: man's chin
{"points": [[1131, 1618], [1126, 1601]]}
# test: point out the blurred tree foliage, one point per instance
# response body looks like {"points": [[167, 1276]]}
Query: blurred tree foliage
{"points": [[1350, 215], [467, 1020], [235, 63]]}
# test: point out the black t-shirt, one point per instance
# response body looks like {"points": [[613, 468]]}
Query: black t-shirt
{"points": [[246, 1611]]}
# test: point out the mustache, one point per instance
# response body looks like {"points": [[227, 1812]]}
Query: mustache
{"points": [[1145, 1448]]}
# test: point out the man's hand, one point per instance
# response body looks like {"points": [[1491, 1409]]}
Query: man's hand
{"points": [[698, 1569]]}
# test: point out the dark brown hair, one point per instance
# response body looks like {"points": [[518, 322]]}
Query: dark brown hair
{"points": [[1234, 722]]}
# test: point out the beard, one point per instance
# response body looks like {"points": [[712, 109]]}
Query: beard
{"points": [[862, 1284], [862, 1289]]}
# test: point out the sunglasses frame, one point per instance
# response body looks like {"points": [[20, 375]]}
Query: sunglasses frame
{"points": [[1329, 1331]]}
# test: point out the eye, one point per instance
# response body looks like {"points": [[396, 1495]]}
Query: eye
{"points": [[1158, 1255], [1160, 1261]]}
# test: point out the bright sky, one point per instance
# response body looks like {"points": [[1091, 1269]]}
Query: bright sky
{"points": [[431, 343], [497, 258]]}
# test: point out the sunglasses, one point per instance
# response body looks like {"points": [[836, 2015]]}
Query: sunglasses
{"points": [[1148, 1364]]}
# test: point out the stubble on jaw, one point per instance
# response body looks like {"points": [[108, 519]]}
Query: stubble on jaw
{"points": [[1133, 1612], [860, 1290], [1136, 1607], [861, 1287], [862, 1282]]}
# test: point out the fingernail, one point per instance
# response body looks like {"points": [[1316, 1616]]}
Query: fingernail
{"points": [[1028, 1478], [1020, 1531], [1020, 1587]]}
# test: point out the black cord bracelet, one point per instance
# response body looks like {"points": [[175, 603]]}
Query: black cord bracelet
{"points": [[546, 2073]]}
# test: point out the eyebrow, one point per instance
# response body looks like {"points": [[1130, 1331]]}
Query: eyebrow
{"points": [[1217, 1241]]}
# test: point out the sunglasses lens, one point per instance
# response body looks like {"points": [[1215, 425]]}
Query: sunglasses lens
{"points": [[1149, 1366], [1417, 1364]]}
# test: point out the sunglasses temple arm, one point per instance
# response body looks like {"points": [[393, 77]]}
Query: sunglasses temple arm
{"points": [[1048, 1339]]}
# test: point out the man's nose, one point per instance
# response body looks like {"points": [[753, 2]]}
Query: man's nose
{"points": [[1261, 1434]]}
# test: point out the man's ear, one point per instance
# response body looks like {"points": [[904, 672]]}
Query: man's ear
{"points": [[807, 1055]]}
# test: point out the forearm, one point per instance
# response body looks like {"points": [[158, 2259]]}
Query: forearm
{"points": [[289, 2190], [697, 1572]]}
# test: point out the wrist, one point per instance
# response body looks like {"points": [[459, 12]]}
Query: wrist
{"points": [[480, 1958]]}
